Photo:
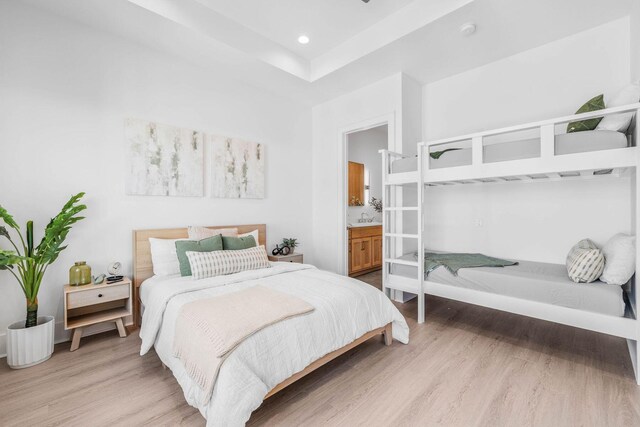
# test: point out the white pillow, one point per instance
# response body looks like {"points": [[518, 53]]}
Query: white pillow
{"points": [[630, 94], [218, 263], [620, 264], [199, 233], [164, 256], [254, 233]]}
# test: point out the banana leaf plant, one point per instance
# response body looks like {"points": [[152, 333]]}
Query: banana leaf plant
{"points": [[28, 263]]}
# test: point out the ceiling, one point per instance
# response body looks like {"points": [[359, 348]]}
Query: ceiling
{"points": [[328, 23], [250, 40]]}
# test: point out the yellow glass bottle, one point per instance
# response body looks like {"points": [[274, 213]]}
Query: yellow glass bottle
{"points": [[80, 274]]}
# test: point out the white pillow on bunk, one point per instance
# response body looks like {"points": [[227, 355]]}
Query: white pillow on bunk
{"points": [[585, 262], [630, 94], [620, 259]]}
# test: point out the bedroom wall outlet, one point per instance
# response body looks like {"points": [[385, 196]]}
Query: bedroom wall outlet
{"points": [[479, 223]]}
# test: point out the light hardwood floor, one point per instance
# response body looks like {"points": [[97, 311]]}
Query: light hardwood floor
{"points": [[467, 366]]}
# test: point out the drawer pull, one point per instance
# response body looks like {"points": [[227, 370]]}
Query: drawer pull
{"points": [[99, 295]]}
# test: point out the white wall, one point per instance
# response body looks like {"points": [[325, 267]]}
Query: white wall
{"points": [[635, 41], [379, 101], [363, 148], [537, 221], [65, 90], [412, 115]]}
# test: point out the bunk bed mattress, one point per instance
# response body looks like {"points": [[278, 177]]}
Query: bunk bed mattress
{"points": [[534, 281], [568, 143]]}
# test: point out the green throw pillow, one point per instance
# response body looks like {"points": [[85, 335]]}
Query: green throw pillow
{"points": [[594, 104], [238, 243], [209, 244]]}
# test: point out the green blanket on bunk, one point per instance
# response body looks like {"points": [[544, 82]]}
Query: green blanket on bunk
{"points": [[455, 261]]}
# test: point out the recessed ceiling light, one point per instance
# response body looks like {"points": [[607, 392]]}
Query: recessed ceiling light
{"points": [[303, 39], [468, 29]]}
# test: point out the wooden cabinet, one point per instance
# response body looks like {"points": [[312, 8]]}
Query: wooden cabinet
{"points": [[376, 248], [365, 249], [356, 183], [361, 255]]}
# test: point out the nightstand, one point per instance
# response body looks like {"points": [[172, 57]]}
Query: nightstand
{"points": [[295, 257], [88, 305]]}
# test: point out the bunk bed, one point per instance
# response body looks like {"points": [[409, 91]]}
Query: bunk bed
{"points": [[528, 152]]}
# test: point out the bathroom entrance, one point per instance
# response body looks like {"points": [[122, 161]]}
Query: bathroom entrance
{"points": [[364, 199]]}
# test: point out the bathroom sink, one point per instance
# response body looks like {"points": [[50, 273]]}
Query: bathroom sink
{"points": [[364, 224]]}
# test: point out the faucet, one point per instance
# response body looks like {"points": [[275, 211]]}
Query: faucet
{"points": [[364, 218]]}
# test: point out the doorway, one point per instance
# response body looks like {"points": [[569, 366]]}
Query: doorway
{"points": [[364, 198]]}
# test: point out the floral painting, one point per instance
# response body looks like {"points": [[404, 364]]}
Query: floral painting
{"points": [[238, 168], [163, 160]]}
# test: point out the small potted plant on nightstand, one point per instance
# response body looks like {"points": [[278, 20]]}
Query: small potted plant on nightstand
{"points": [[31, 342], [291, 243]]}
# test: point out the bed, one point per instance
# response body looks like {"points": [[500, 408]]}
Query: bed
{"points": [[532, 281], [347, 313], [526, 148]]}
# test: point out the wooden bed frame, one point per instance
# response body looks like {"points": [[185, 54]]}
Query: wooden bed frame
{"points": [[143, 269]]}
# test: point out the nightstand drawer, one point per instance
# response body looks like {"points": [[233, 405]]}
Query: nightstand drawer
{"points": [[97, 296], [297, 257]]}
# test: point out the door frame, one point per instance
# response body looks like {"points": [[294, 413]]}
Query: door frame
{"points": [[392, 145]]}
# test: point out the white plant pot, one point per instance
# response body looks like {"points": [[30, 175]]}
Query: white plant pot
{"points": [[30, 346]]}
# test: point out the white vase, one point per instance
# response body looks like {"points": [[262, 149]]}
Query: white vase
{"points": [[30, 346]]}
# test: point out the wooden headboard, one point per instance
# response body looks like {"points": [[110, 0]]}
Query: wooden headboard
{"points": [[142, 266]]}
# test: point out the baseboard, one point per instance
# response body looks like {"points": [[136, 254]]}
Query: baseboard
{"points": [[3, 345], [61, 335]]}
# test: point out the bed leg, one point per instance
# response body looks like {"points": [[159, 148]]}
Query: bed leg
{"points": [[635, 358], [388, 334]]}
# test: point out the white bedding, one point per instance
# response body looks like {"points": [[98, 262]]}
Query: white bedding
{"points": [[533, 281], [345, 309]]}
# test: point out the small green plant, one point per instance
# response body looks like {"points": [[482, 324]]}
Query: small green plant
{"points": [[290, 242], [29, 263], [376, 203]]}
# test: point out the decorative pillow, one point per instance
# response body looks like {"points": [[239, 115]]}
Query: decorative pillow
{"points": [[630, 94], [238, 243], [218, 263], [585, 262], [164, 257], [620, 259], [209, 244], [594, 104], [199, 233], [254, 233]]}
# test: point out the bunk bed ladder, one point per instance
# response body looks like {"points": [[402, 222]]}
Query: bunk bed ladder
{"points": [[389, 224]]}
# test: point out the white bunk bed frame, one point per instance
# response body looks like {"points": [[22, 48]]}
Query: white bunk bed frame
{"points": [[548, 166]]}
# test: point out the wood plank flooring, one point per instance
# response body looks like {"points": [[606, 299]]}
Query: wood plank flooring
{"points": [[467, 366]]}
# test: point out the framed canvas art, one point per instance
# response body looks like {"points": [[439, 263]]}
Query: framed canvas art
{"points": [[163, 160], [237, 168]]}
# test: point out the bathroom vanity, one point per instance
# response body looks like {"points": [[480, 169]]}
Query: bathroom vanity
{"points": [[365, 249]]}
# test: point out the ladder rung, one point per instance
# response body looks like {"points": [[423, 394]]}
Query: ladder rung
{"points": [[403, 208], [405, 236], [401, 262]]}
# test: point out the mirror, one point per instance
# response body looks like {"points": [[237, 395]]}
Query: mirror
{"points": [[355, 195]]}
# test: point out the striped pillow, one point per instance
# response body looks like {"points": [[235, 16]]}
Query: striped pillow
{"points": [[585, 262], [218, 263]]}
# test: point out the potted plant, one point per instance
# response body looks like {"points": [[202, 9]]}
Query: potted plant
{"points": [[31, 342], [291, 243], [377, 204]]}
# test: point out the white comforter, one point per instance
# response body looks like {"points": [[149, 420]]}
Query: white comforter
{"points": [[345, 309]]}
